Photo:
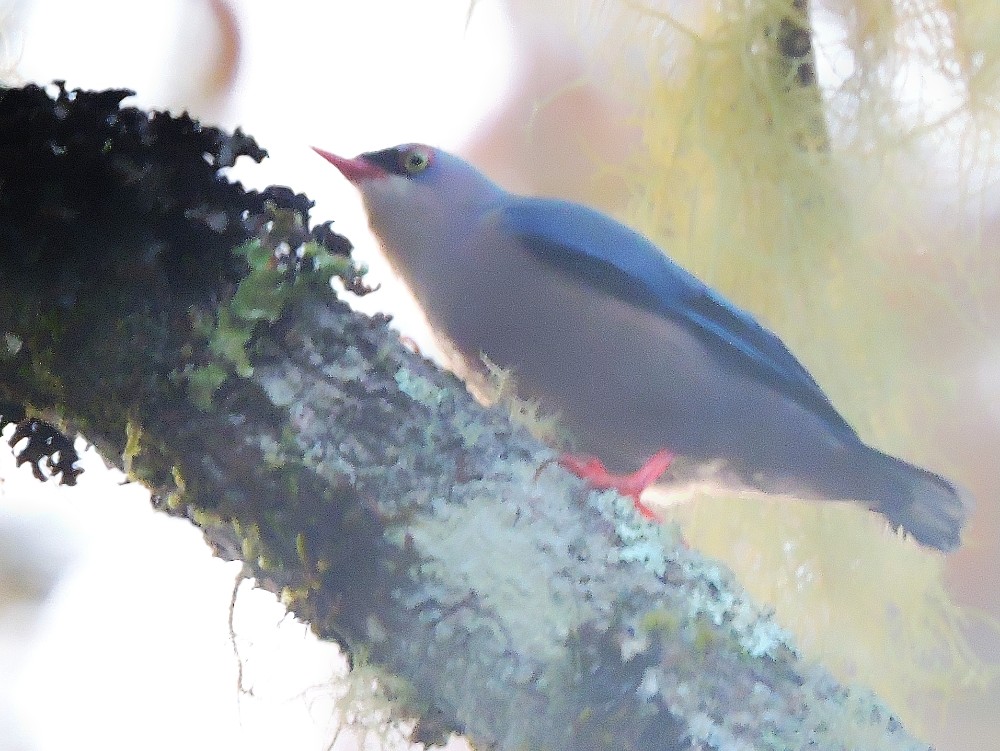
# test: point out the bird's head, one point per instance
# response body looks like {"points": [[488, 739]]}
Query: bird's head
{"points": [[409, 161], [417, 196], [418, 173]]}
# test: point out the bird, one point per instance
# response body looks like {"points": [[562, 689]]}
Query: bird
{"points": [[646, 365]]}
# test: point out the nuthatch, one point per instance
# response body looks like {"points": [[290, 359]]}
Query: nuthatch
{"points": [[633, 352]]}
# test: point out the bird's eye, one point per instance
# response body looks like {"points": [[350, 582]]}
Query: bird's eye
{"points": [[415, 160]]}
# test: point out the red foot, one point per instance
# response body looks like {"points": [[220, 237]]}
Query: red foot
{"points": [[592, 470]]}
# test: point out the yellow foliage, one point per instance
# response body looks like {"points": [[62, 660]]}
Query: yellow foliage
{"points": [[819, 208]]}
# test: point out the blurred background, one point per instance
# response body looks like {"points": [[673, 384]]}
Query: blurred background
{"points": [[855, 214]]}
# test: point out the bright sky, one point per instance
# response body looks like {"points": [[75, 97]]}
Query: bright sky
{"points": [[132, 649]]}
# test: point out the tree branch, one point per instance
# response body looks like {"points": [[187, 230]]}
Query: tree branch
{"points": [[354, 479]]}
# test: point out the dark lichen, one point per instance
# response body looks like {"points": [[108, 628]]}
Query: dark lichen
{"points": [[120, 219], [44, 444]]}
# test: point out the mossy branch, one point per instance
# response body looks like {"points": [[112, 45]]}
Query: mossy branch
{"points": [[355, 480]]}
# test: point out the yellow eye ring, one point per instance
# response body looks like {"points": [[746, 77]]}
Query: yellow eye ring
{"points": [[415, 160]]}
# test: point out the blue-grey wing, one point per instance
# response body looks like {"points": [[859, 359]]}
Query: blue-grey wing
{"points": [[609, 256]]}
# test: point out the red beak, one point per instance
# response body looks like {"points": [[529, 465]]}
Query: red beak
{"points": [[356, 169]]}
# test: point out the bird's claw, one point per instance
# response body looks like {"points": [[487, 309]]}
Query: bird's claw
{"points": [[592, 470]]}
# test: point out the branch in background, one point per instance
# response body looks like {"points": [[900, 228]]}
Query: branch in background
{"points": [[797, 66], [795, 44], [354, 479]]}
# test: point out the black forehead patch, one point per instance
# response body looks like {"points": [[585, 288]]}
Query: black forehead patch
{"points": [[391, 160]]}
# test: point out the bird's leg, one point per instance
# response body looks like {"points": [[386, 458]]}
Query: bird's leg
{"points": [[592, 469]]}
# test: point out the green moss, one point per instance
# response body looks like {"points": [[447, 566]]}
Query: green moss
{"points": [[176, 499], [133, 439], [704, 637], [261, 296], [203, 518], [293, 597], [276, 277], [662, 620], [202, 382], [228, 341], [500, 390]]}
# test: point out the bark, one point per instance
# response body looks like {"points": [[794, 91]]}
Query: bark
{"points": [[355, 480]]}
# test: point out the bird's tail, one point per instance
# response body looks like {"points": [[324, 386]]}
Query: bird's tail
{"points": [[924, 504]]}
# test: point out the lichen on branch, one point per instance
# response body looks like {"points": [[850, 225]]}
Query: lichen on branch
{"points": [[187, 327]]}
